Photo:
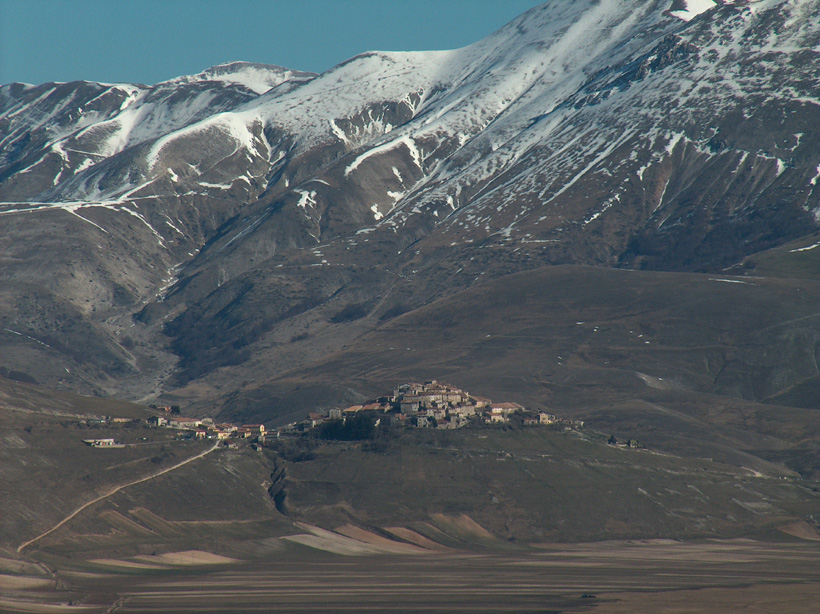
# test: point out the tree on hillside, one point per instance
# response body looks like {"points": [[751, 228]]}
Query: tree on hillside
{"points": [[356, 428]]}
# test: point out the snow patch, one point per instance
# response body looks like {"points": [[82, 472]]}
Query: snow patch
{"points": [[339, 133], [171, 224], [816, 176], [693, 9], [804, 249], [673, 142], [140, 217], [87, 163], [389, 146], [642, 170], [29, 337], [728, 281], [74, 212], [308, 197]]}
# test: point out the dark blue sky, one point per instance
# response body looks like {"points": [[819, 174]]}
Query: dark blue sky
{"points": [[147, 41]]}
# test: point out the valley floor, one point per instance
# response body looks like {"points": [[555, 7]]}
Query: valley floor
{"points": [[608, 577]]}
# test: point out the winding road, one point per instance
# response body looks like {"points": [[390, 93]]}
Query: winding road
{"points": [[113, 491]]}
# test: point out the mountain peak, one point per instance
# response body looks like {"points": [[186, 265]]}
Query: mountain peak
{"points": [[259, 78]]}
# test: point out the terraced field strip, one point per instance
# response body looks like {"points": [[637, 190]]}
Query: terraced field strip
{"points": [[616, 578]]}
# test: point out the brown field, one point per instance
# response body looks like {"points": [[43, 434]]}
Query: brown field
{"points": [[606, 578]]}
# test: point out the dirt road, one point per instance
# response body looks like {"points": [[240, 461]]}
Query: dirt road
{"points": [[113, 491]]}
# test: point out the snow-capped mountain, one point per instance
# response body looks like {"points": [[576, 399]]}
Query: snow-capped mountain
{"points": [[252, 201]]}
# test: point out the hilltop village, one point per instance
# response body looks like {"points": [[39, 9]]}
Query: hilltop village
{"points": [[437, 405], [428, 405]]}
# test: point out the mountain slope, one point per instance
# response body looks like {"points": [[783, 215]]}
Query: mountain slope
{"points": [[255, 219]]}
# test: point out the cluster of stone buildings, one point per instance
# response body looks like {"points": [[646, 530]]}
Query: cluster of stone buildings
{"points": [[206, 428], [436, 405], [189, 428]]}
